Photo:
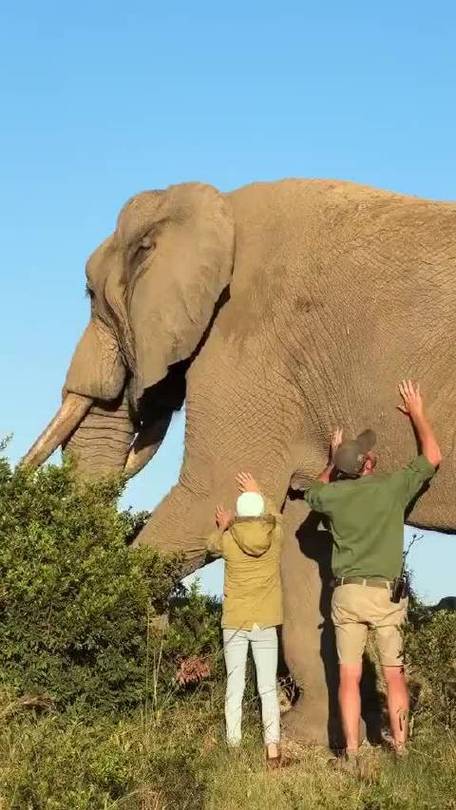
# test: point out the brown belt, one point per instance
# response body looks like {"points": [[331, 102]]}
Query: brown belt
{"points": [[370, 583]]}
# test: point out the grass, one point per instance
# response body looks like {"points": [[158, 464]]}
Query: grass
{"points": [[426, 780], [176, 760]]}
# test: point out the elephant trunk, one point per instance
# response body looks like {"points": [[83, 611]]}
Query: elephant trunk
{"points": [[105, 441], [101, 443], [185, 518], [179, 525]]}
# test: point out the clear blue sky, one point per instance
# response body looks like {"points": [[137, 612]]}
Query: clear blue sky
{"points": [[100, 100]]}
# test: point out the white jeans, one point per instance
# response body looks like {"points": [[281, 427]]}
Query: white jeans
{"points": [[264, 648]]}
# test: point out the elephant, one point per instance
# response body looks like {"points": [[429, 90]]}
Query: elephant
{"points": [[276, 312]]}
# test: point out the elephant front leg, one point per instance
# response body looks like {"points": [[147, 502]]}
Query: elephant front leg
{"points": [[308, 635]]}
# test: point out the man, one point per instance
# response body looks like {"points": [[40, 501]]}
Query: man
{"points": [[250, 543], [366, 515]]}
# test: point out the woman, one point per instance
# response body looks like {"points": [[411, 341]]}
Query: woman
{"points": [[250, 543]]}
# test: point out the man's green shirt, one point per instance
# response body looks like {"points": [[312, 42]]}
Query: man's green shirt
{"points": [[367, 518]]}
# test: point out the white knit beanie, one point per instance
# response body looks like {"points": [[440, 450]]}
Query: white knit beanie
{"points": [[250, 504]]}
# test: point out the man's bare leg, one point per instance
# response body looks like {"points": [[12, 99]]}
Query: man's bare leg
{"points": [[398, 704], [350, 704]]}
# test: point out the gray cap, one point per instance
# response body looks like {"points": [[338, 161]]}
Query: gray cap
{"points": [[351, 454]]}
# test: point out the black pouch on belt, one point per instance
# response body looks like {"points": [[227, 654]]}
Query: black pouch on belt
{"points": [[400, 588]]}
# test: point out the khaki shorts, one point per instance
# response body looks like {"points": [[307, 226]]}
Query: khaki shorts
{"points": [[355, 609]]}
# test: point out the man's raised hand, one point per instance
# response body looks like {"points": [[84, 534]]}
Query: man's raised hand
{"points": [[412, 405], [412, 402], [246, 482], [336, 441]]}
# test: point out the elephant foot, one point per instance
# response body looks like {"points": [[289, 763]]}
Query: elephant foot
{"points": [[304, 725], [307, 727]]}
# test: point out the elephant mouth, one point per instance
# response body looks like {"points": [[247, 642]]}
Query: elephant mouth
{"points": [[151, 420], [155, 410]]}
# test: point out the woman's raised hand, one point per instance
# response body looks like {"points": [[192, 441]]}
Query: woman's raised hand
{"points": [[223, 517], [246, 482]]}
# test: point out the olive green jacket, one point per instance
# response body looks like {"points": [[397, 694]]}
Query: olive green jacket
{"points": [[252, 588]]}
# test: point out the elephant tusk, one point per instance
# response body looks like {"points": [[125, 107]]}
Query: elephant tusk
{"points": [[67, 418], [146, 444]]}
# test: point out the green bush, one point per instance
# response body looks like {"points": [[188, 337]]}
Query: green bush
{"points": [[78, 608], [430, 643]]}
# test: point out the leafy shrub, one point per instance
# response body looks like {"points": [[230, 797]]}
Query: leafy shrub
{"points": [[430, 643], [78, 608]]}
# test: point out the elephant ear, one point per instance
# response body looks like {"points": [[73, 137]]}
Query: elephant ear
{"points": [[186, 235]]}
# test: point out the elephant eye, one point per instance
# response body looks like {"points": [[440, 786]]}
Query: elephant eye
{"points": [[146, 242], [142, 248]]}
